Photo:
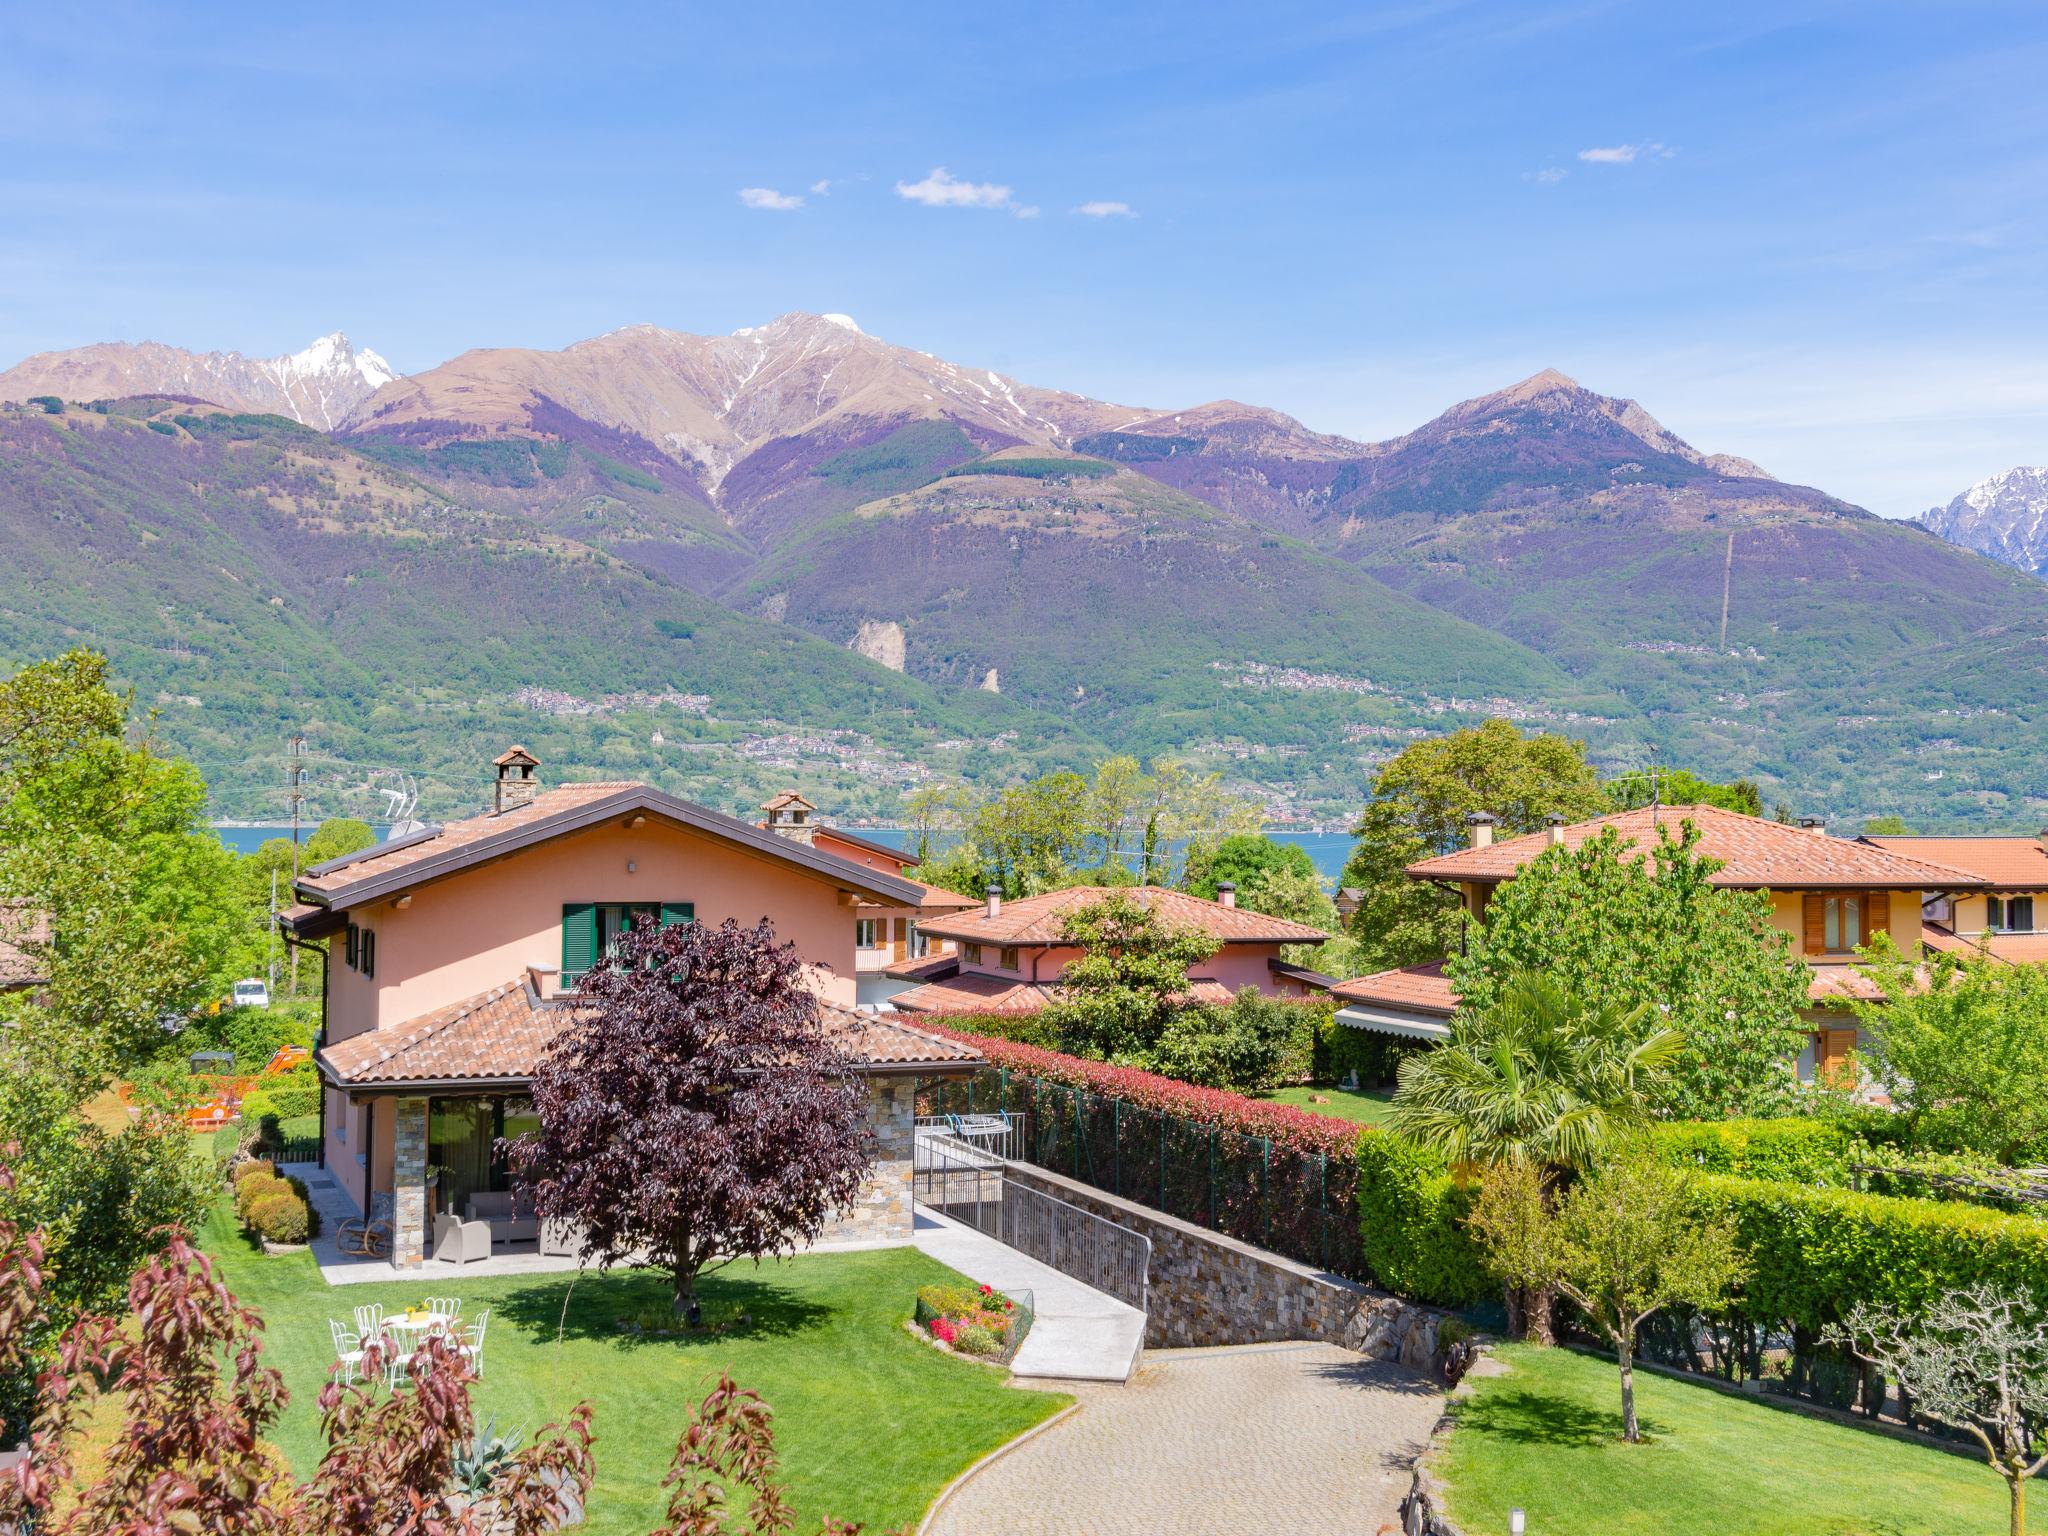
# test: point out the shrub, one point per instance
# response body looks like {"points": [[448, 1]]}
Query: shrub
{"points": [[974, 1339], [249, 1170], [281, 1218], [1341, 1051], [257, 1108], [945, 1301], [1803, 1150], [253, 1191], [1412, 1218], [1245, 1045], [294, 1094]]}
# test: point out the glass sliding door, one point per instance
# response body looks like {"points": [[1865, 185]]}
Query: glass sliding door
{"points": [[462, 1145]]}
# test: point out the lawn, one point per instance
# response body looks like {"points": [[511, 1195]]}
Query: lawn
{"points": [[1544, 1437], [1363, 1106], [871, 1423]]}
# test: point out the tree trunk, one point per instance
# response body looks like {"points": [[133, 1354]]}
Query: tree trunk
{"points": [[2017, 1481], [1539, 1304], [686, 1295], [1518, 1322], [1630, 1431]]}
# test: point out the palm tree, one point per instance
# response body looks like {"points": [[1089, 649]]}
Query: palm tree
{"points": [[1546, 1077]]}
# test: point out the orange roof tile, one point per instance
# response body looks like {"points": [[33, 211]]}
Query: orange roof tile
{"points": [[1038, 920], [1413, 989], [2009, 863], [499, 1036], [564, 809], [1754, 853], [974, 993]]}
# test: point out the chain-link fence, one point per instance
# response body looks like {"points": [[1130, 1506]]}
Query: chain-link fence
{"points": [[1297, 1203]]}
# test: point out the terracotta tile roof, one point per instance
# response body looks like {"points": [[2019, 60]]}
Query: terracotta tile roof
{"points": [[498, 1037], [21, 924], [974, 993], [564, 809], [2009, 863], [1840, 984], [1753, 852], [931, 968], [935, 900], [2019, 948], [1040, 919], [1413, 989]]}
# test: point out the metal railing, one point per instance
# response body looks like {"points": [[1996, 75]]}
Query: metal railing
{"points": [[961, 1179], [999, 1135]]}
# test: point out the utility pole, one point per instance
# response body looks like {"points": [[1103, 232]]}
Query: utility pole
{"points": [[270, 936], [295, 769]]}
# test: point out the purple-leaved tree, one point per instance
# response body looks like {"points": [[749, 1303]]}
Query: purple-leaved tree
{"points": [[697, 1110]]}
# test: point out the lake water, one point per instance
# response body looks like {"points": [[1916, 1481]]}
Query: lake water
{"points": [[1329, 850]]}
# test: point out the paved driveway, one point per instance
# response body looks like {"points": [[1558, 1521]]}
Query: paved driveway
{"points": [[1302, 1439]]}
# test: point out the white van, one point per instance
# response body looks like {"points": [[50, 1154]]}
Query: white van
{"points": [[252, 993]]}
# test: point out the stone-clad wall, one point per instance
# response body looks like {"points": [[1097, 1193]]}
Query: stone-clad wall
{"points": [[882, 1209], [409, 1184], [1205, 1288]]}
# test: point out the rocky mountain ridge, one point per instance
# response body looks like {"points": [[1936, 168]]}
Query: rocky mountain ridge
{"points": [[2003, 516]]}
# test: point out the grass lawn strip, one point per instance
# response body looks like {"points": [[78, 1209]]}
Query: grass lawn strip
{"points": [[1363, 1106], [870, 1423], [1545, 1436]]}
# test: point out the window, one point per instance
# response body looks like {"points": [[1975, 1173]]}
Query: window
{"points": [[920, 946], [591, 928], [349, 939], [366, 952], [867, 933], [1840, 922], [462, 1145], [2012, 914], [1006, 959], [971, 953]]}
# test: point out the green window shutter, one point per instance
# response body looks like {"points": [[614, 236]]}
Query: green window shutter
{"points": [[673, 912], [579, 939]]}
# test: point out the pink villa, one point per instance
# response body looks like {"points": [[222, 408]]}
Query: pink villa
{"points": [[1009, 955], [455, 954]]}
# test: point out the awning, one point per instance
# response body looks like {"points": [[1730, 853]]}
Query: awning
{"points": [[1391, 1021]]}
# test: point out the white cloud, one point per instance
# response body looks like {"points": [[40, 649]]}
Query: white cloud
{"points": [[1105, 210], [1625, 154], [942, 189], [1549, 176], [1026, 211], [770, 199], [822, 187]]}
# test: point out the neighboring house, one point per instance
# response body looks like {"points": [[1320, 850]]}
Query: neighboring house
{"points": [[2008, 916], [886, 935], [1830, 894], [1011, 953], [23, 931], [455, 953]]}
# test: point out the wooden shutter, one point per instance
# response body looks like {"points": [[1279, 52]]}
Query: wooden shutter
{"points": [[1816, 916], [899, 941], [579, 938], [673, 912], [1877, 914]]}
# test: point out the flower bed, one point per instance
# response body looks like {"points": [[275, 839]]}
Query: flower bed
{"points": [[982, 1322]]}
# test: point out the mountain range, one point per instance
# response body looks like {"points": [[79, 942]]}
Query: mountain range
{"points": [[860, 564], [2004, 516]]}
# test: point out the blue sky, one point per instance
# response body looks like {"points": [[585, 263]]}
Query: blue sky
{"points": [[1810, 234]]}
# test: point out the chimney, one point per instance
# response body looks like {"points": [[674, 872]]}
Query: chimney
{"points": [[2041, 837], [995, 899], [1554, 825], [1482, 829], [1817, 825], [789, 815], [518, 779], [1226, 893]]}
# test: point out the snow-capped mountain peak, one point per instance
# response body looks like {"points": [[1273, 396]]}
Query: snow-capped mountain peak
{"points": [[2003, 516]]}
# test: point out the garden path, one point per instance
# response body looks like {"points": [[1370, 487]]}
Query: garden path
{"points": [[1302, 1438]]}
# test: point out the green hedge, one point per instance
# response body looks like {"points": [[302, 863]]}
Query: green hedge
{"points": [[1800, 1150], [1814, 1253], [1412, 1219]]}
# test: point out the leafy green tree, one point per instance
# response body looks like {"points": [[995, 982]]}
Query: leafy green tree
{"points": [[1623, 1243], [1242, 1047], [146, 913], [1244, 860], [1543, 1076], [1187, 815], [1115, 802], [1118, 996], [1676, 786], [1031, 834], [1420, 800], [1887, 826], [1961, 1044], [334, 837], [1620, 929]]}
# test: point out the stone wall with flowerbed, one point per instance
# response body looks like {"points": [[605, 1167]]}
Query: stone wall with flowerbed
{"points": [[973, 1320]]}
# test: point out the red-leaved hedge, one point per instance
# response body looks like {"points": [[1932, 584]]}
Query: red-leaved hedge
{"points": [[1282, 1124]]}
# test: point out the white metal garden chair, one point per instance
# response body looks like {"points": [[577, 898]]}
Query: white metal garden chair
{"points": [[348, 1350], [444, 1309], [369, 1320], [470, 1343]]}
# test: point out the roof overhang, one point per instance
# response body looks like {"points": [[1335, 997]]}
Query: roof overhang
{"points": [[1393, 1021], [862, 881]]}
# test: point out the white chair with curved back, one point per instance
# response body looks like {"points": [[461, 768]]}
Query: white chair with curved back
{"points": [[471, 1345], [348, 1351]]}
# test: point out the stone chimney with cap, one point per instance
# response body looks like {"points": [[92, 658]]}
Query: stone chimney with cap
{"points": [[518, 780], [1817, 825], [1226, 893], [790, 815], [993, 902], [1553, 826], [1482, 829]]}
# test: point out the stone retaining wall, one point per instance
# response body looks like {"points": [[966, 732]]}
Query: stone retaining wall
{"points": [[1207, 1289]]}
